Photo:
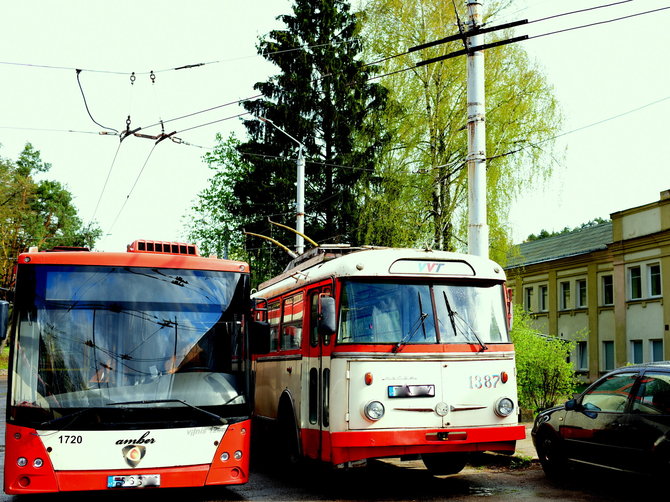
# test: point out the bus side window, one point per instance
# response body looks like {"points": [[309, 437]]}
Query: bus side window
{"points": [[274, 316], [314, 318], [292, 322]]}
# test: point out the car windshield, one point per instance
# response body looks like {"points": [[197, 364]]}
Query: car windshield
{"points": [[93, 336], [406, 313]]}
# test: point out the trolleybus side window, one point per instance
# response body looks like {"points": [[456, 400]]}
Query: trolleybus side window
{"points": [[314, 318], [292, 323], [274, 316]]}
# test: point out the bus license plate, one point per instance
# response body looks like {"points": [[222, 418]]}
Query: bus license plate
{"points": [[134, 481]]}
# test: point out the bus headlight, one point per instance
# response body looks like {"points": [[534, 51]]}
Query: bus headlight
{"points": [[374, 410], [504, 407]]}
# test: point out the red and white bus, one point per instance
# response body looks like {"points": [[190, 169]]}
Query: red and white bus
{"points": [[128, 370], [388, 353]]}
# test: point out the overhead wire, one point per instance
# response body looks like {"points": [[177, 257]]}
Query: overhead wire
{"points": [[177, 140], [146, 161]]}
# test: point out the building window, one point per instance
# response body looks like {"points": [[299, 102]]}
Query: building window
{"points": [[528, 299], [654, 279], [635, 283], [581, 293], [608, 356], [656, 350], [582, 356], [636, 351], [565, 295], [542, 299], [607, 290]]}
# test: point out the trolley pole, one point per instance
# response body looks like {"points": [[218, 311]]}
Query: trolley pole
{"points": [[478, 230]]}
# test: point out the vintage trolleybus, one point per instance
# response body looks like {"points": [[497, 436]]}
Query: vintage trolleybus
{"points": [[388, 353], [128, 370]]}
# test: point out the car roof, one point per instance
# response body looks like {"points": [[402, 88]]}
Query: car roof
{"points": [[663, 365]]}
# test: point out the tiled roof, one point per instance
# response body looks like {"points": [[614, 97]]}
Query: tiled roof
{"points": [[580, 241]]}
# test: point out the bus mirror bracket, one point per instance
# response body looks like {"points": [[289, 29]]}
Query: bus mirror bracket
{"points": [[326, 315], [4, 319]]}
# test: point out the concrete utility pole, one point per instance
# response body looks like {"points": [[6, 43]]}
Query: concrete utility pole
{"points": [[300, 190], [478, 230]]}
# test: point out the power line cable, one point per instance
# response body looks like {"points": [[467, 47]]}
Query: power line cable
{"points": [[104, 186], [133, 187], [86, 105]]}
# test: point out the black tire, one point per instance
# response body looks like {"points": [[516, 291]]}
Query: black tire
{"points": [[550, 453], [289, 442], [440, 464]]}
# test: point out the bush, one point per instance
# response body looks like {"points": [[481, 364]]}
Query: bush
{"points": [[544, 374]]}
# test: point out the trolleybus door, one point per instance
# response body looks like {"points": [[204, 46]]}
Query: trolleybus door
{"points": [[318, 379]]}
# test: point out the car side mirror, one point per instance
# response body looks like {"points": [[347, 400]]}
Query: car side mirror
{"points": [[571, 405]]}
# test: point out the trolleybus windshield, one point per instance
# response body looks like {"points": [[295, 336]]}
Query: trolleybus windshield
{"points": [[406, 313], [120, 338]]}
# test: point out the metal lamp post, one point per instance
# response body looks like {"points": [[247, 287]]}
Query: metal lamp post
{"points": [[300, 190]]}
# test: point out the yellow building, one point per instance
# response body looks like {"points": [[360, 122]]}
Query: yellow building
{"points": [[602, 286]]}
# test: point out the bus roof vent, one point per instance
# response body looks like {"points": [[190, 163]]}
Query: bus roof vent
{"points": [[164, 247]]}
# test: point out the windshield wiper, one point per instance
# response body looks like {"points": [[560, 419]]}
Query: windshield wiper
{"points": [[419, 323], [452, 317], [450, 312], [71, 416], [159, 401]]}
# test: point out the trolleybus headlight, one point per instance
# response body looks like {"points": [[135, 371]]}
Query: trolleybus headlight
{"points": [[38, 462], [374, 410], [22, 461], [224, 456], [237, 455], [504, 407]]}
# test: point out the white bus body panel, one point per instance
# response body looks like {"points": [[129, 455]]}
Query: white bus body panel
{"points": [[466, 390], [104, 450]]}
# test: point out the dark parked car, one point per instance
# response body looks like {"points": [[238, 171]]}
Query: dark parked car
{"points": [[622, 421]]}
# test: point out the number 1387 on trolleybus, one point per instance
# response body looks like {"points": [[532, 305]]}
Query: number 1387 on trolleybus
{"points": [[128, 370], [378, 353]]}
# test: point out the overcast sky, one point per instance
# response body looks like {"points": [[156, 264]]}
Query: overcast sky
{"points": [[135, 189]]}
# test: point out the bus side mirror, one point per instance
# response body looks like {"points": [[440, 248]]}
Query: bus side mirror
{"points": [[326, 315], [4, 319], [261, 336]]}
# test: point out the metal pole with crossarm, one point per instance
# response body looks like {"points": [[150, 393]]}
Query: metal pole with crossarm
{"points": [[300, 190], [478, 230]]}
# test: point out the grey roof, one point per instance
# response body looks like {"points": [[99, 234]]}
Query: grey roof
{"points": [[582, 241]]}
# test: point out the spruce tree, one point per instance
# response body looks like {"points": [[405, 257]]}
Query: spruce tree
{"points": [[322, 97]]}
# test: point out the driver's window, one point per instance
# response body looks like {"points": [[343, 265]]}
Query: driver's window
{"points": [[653, 396], [611, 395]]}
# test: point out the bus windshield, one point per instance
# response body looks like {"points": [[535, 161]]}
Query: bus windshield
{"points": [[406, 313], [92, 336]]}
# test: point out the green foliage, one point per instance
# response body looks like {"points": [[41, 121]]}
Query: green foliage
{"points": [[544, 375], [429, 140], [35, 213], [322, 98], [212, 223], [544, 233]]}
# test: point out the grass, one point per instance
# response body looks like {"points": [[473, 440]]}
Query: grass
{"points": [[4, 358]]}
